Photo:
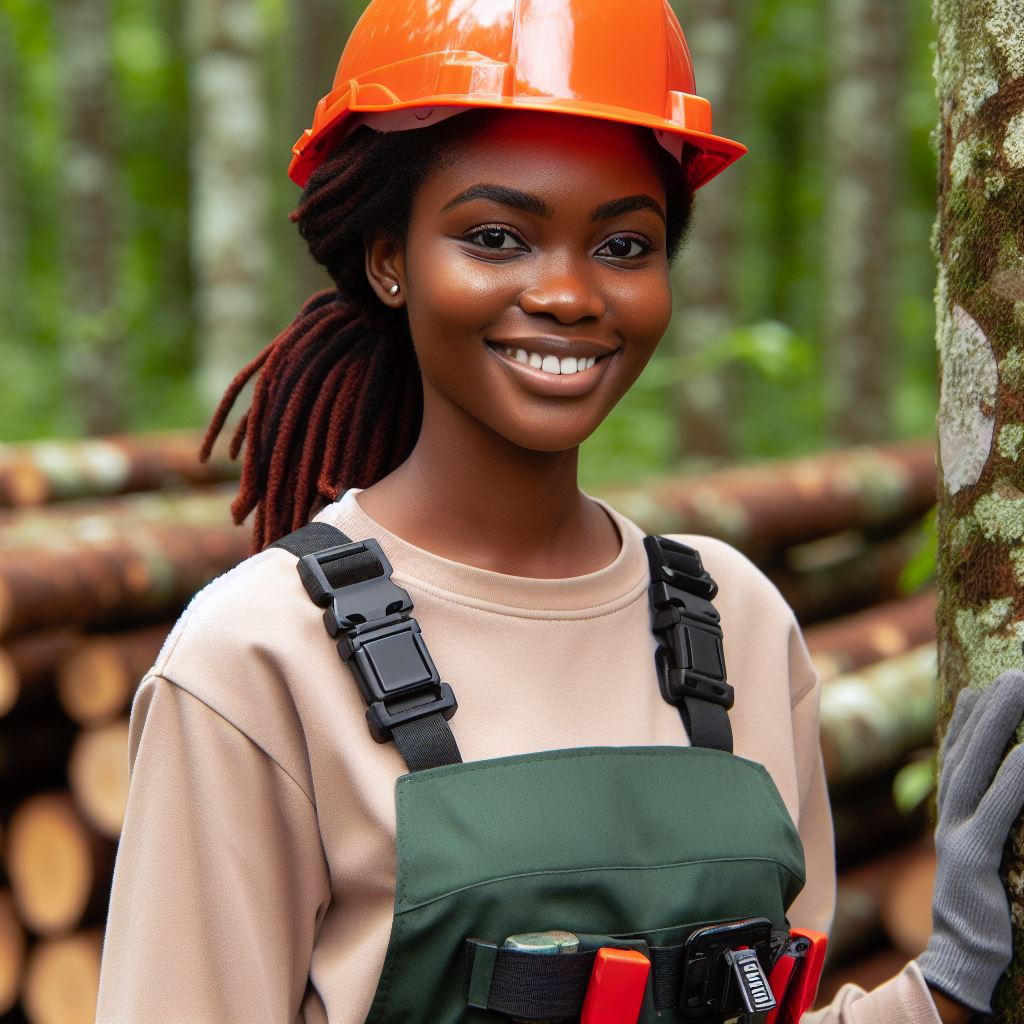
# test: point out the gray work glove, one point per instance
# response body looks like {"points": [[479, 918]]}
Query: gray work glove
{"points": [[970, 946]]}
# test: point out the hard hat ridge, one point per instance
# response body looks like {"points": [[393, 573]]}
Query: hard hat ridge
{"points": [[593, 58]]}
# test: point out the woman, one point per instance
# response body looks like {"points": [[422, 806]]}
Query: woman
{"points": [[496, 188]]}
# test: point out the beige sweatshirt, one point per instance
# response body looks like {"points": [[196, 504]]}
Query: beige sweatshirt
{"points": [[255, 874]]}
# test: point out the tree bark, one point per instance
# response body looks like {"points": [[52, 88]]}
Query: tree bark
{"points": [[704, 277], [318, 30], [230, 231], [979, 246], [95, 342], [864, 132]]}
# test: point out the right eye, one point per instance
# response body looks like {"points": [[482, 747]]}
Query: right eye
{"points": [[496, 239]]}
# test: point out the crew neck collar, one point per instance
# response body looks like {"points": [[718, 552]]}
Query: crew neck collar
{"points": [[618, 582]]}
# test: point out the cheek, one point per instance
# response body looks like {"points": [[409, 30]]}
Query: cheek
{"points": [[643, 308]]}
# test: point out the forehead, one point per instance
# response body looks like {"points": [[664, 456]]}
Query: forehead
{"points": [[553, 154]]}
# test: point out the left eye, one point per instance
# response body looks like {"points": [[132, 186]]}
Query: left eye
{"points": [[623, 247], [495, 238]]}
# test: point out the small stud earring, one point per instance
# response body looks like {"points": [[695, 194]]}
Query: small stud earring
{"points": [[393, 290]]}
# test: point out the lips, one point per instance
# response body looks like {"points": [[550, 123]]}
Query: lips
{"points": [[553, 367]]}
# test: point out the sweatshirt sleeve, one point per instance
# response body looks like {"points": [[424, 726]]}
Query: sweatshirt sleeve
{"points": [[220, 880], [904, 999]]}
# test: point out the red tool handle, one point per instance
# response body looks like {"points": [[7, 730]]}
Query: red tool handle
{"points": [[615, 993], [795, 976]]}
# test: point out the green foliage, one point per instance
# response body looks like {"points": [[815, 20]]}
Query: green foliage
{"points": [[919, 572], [914, 783], [777, 351]]}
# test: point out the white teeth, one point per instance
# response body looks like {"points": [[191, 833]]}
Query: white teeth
{"points": [[550, 364]]}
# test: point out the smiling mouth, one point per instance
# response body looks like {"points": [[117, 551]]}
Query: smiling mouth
{"points": [[556, 366]]}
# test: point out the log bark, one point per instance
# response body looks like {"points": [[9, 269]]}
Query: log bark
{"points": [[979, 246], [704, 286], [842, 574], [133, 574], [60, 869], [98, 774], [88, 519], [773, 504], [12, 952], [873, 719], [864, 132], [883, 631], [39, 472], [62, 979], [97, 679]]}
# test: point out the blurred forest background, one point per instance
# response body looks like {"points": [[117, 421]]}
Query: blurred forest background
{"points": [[146, 254]]}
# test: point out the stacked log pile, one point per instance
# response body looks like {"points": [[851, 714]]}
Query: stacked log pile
{"points": [[102, 544]]}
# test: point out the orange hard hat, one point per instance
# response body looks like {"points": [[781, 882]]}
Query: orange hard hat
{"points": [[418, 60]]}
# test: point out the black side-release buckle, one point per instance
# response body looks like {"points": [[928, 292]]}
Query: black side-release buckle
{"points": [[377, 637], [691, 661]]}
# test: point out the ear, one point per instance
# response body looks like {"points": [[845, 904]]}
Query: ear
{"points": [[385, 268]]}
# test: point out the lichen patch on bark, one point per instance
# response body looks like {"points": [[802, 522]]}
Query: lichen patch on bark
{"points": [[966, 403], [1006, 27], [1000, 514], [1013, 143], [1010, 441]]}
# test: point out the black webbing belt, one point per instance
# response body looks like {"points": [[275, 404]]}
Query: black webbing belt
{"points": [[369, 615], [534, 987]]}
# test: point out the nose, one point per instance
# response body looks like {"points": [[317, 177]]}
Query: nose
{"points": [[566, 294]]}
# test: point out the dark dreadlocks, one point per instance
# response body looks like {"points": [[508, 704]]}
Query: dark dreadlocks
{"points": [[338, 400]]}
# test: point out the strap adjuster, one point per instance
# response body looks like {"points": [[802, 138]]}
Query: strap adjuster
{"points": [[690, 657], [377, 637]]}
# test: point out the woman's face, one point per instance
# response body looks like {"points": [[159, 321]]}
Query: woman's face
{"points": [[535, 275]]}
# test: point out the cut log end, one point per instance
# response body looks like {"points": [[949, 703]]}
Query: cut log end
{"points": [[98, 773], [62, 979], [92, 684], [50, 862]]}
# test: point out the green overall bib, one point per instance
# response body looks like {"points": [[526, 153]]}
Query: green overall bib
{"points": [[629, 847]]}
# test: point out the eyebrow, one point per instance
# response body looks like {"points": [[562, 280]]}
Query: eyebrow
{"points": [[529, 203]]}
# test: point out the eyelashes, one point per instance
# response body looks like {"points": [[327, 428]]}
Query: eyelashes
{"points": [[495, 238]]}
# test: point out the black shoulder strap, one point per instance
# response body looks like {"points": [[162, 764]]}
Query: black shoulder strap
{"points": [[370, 617], [691, 662]]}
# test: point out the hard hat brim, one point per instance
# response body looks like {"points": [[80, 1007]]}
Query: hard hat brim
{"points": [[714, 152]]}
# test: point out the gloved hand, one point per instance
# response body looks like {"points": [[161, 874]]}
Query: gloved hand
{"points": [[970, 946]]}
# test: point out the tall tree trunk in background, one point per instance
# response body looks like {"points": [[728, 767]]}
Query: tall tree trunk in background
{"points": [[230, 247], [318, 30], [979, 242], [704, 277], [864, 131], [10, 234], [94, 339]]}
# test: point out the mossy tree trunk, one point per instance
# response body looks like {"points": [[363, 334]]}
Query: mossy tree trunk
{"points": [[979, 243], [864, 128], [703, 281]]}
